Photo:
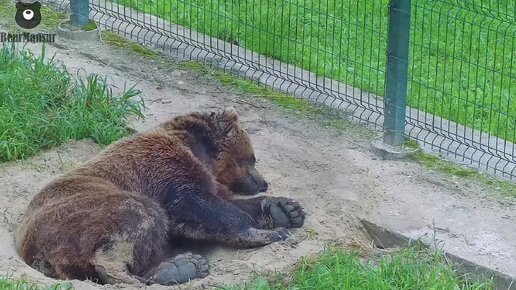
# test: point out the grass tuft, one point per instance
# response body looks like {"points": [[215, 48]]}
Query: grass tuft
{"points": [[407, 268], [121, 42], [90, 26], [51, 18], [8, 283], [42, 105]]}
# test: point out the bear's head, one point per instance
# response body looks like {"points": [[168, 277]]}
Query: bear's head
{"points": [[28, 15], [235, 162], [219, 141]]}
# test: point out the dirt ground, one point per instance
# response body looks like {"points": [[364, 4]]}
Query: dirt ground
{"points": [[332, 173]]}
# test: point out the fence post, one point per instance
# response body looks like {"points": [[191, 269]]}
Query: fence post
{"points": [[79, 13], [396, 71]]}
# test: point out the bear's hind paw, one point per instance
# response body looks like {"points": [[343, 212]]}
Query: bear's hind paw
{"points": [[181, 269]]}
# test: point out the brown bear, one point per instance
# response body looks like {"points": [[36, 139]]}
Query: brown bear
{"points": [[111, 219]]}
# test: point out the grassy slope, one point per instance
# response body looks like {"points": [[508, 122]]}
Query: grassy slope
{"points": [[461, 61]]}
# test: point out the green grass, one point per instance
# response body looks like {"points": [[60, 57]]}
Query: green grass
{"points": [[120, 42], [493, 185], [8, 283], [42, 106], [90, 26], [340, 269], [462, 62], [50, 18]]}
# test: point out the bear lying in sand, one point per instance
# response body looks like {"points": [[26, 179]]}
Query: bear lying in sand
{"points": [[111, 219]]}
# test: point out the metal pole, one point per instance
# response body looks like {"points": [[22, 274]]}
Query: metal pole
{"points": [[397, 72], [80, 13]]}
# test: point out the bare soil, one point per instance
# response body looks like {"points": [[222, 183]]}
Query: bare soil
{"points": [[333, 173]]}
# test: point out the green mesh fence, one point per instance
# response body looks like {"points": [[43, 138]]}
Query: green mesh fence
{"points": [[461, 83], [461, 71]]}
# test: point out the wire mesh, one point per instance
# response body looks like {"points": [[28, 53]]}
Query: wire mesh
{"points": [[462, 80], [461, 60], [301, 47]]}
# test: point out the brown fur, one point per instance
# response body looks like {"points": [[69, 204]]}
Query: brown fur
{"points": [[111, 217]]}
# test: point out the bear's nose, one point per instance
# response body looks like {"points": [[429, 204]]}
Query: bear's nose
{"points": [[264, 187]]}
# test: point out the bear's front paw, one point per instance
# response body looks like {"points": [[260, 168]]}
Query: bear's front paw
{"points": [[285, 212]]}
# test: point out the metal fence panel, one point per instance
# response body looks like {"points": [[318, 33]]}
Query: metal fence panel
{"points": [[462, 55], [461, 77]]}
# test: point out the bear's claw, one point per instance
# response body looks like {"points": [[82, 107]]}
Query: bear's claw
{"points": [[283, 234]]}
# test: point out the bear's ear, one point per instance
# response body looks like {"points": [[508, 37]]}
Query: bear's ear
{"points": [[36, 5], [19, 5], [226, 122], [227, 128], [232, 131], [230, 114]]}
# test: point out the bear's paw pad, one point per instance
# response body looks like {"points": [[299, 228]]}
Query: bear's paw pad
{"points": [[181, 269], [286, 212]]}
